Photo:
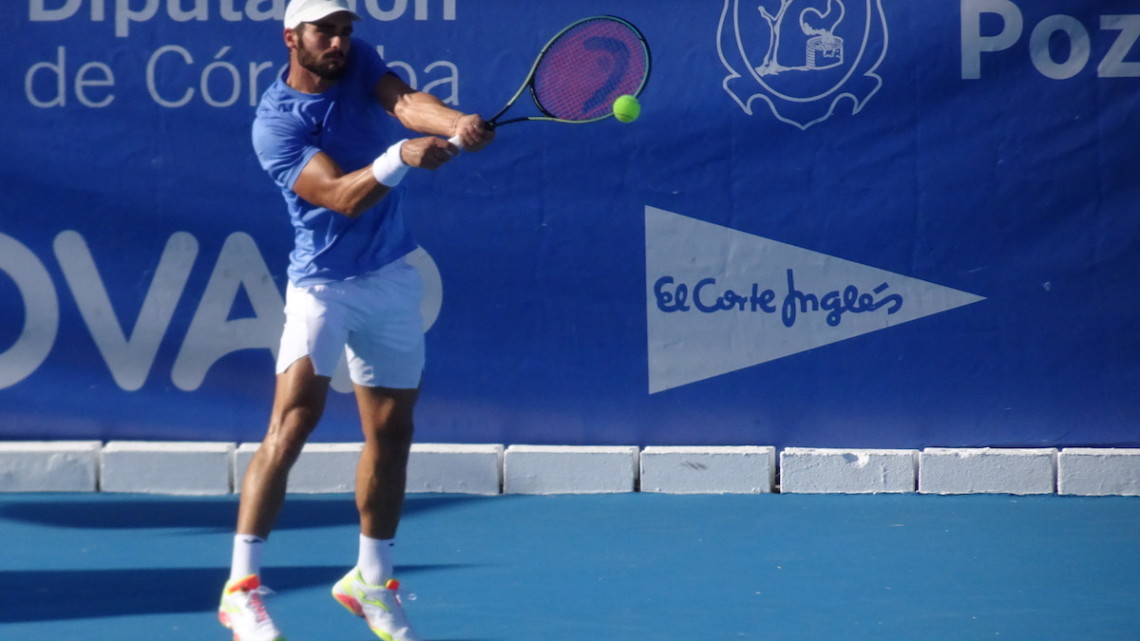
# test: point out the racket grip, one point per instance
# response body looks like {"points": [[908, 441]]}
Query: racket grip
{"points": [[455, 140]]}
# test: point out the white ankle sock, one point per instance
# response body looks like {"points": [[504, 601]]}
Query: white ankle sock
{"points": [[247, 556], [375, 559]]}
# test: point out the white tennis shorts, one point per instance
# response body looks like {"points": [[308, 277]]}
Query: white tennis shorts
{"points": [[375, 320]]}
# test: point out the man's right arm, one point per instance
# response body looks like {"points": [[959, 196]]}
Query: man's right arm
{"points": [[282, 147], [323, 182]]}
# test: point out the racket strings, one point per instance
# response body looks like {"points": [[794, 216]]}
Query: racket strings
{"points": [[586, 68]]}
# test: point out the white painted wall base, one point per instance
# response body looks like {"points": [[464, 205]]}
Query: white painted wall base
{"points": [[1098, 472], [166, 468], [49, 466], [218, 468], [455, 469], [708, 470], [818, 470], [556, 469], [987, 471]]}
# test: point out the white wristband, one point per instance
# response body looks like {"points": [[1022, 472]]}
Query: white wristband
{"points": [[389, 168]]}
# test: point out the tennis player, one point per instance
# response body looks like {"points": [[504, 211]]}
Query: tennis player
{"points": [[323, 134]]}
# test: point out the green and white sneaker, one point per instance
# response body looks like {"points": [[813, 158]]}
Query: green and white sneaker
{"points": [[243, 612], [379, 605]]}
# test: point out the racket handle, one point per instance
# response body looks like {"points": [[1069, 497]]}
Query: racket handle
{"points": [[455, 140]]}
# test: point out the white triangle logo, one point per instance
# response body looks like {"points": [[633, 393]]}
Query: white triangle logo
{"points": [[719, 300]]}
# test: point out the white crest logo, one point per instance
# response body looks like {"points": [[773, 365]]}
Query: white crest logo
{"points": [[802, 57]]}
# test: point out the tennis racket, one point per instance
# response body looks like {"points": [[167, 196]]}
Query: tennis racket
{"points": [[578, 74]]}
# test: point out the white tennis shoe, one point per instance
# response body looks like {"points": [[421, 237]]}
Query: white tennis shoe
{"points": [[379, 605], [243, 612]]}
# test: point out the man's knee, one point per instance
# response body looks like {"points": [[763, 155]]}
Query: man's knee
{"points": [[282, 449], [288, 434]]}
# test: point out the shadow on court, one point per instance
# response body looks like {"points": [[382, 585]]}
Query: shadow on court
{"points": [[212, 514], [50, 595]]}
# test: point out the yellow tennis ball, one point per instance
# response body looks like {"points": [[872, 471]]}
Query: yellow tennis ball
{"points": [[627, 108]]}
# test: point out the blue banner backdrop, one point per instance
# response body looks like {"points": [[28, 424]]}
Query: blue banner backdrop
{"points": [[848, 223]]}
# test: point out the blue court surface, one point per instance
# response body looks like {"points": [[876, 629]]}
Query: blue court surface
{"points": [[562, 568]]}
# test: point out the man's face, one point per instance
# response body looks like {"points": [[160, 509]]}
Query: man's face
{"points": [[322, 46]]}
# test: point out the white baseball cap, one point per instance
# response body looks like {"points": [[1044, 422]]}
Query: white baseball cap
{"points": [[300, 11]]}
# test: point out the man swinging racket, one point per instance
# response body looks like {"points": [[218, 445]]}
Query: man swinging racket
{"points": [[317, 133]]}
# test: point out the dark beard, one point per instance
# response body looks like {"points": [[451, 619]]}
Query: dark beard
{"points": [[328, 69]]}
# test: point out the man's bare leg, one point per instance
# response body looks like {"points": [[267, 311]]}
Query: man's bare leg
{"points": [[298, 403], [381, 474], [297, 406], [386, 416]]}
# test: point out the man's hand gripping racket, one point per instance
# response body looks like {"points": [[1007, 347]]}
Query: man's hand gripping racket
{"points": [[579, 74]]}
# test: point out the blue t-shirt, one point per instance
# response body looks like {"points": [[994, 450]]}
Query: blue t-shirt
{"points": [[348, 124]]}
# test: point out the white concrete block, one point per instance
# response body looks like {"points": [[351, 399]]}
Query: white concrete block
{"points": [[987, 471], [455, 468], [49, 466], [820, 470], [561, 469], [322, 468], [1098, 471], [166, 467], [708, 470]]}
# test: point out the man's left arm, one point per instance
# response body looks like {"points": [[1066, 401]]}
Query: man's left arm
{"points": [[427, 114]]}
